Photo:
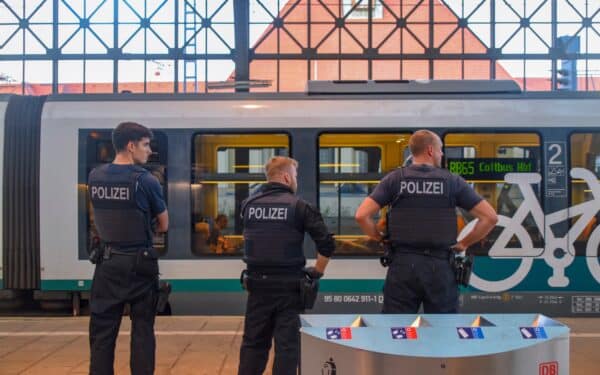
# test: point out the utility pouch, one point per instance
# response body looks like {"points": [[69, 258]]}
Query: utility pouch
{"points": [[309, 289], [146, 263], [463, 267], [386, 258], [164, 289], [96, 252]]}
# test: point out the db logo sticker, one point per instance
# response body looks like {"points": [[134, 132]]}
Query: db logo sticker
{"points": [[549, 368]]}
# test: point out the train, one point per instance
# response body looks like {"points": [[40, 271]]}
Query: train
{"points": [[534, 156]]}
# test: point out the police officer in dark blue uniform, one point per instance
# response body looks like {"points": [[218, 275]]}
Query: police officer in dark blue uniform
{"points": [[125, 198], [275, 221], [422, 229]]}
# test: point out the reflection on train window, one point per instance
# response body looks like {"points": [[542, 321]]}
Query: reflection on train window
{"points": [[105, 153], [350, 166], [99, 150], [585, 153], [226, 169], [483, 159]]}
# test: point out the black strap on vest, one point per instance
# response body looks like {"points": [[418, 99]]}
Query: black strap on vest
{"points": [[149, 231], [388, 215]]}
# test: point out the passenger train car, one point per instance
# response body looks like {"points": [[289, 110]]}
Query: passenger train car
{"points": [[535, 157]]}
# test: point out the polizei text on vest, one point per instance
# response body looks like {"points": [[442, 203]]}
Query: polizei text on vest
{"points": [[117, 193], [267, 213], [422, 187]]}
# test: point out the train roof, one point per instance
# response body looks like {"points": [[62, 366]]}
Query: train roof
{"points": [[302, 96], [353, 90]]}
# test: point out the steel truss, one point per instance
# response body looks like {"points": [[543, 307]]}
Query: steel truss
{"points": [[359, 39]]}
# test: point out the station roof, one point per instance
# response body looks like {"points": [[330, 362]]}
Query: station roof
{"points": [[293, 38]]}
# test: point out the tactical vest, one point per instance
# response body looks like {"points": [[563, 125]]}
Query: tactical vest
{"points": [[117, 217], [423, 213], [272, 237]]}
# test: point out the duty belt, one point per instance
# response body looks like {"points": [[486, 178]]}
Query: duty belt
{"points": [[130, 251], [258, 282], [443, 253], [113, 250]]}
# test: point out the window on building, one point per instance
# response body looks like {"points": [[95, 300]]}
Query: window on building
{"points": [[361, 9]]}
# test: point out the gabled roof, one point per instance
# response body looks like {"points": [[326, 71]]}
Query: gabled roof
{"points": [[398, 28]]}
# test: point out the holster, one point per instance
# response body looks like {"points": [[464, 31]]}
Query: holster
{"points": [[164, 290], [463, 267], [96, 255], [386, 258], [244, 279], [96, 252], [309, 289]]}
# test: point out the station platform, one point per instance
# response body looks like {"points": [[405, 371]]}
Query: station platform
{"points": [[186, 345]]}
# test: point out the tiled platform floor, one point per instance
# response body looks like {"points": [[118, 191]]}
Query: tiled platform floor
{"points": [[185, 345]]}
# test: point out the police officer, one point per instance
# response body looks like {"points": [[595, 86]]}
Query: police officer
{"points": [[275, 221], [422, 228], [126, 198]]}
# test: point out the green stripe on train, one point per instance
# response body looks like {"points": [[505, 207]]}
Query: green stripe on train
{"points": [[580, 278], [226, 285]]}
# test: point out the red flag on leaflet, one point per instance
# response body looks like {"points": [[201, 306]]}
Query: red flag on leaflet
{"points": [[411, 333], [346, 333]]}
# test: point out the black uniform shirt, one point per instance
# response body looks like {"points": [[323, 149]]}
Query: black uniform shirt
{"points": [[387, 190], [311, 220]]}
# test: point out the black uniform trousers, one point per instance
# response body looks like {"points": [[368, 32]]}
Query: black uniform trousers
{"points": [[115, 283], [415, 278], [271, 315]]}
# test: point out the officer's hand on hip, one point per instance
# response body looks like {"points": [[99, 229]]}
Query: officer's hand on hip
{"points": [[458, 248], [313, 273]]}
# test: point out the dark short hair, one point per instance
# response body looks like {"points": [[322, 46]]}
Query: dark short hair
{"points": [[127, 132]]}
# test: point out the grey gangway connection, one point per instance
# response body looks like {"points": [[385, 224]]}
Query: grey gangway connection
{"points": [[434, 344]]}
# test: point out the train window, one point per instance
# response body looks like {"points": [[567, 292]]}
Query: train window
{"points": [[460, 152], [483, 159], [518, 152], [105, 153], [226, 169], [585, 153], [97, 150], [350, 166]]}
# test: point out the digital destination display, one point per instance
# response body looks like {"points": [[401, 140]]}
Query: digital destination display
{"points": [[490, 168]]}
